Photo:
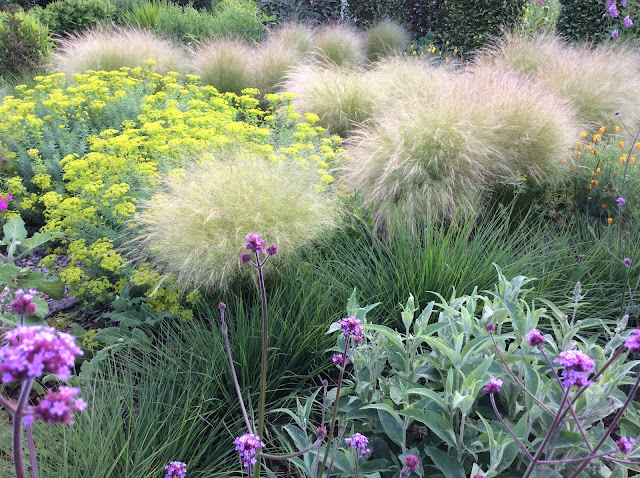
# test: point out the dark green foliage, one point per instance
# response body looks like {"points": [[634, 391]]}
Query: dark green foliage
{"points": [[66, 16], [368, 12], [302, 10], [25, 43], [467, 24], [580, 20]]}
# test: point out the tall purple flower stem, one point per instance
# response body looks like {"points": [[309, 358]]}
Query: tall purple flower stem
{"points": [[263, 368], [18, 458]]}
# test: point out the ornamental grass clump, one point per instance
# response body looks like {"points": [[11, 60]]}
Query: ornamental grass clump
{"points": [[217, 201], [273, 60], [340, 97], [293, 35], [387, 38], [103, 49], [595, 80], [339, 44], [224, 64]]}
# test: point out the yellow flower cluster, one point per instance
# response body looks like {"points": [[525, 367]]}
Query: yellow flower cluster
{"points": [[83, 156]]}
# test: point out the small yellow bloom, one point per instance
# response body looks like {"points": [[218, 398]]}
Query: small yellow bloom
{"points": [[609, 220], [617, 129], [602, 129], [583, 134], [597, 170]]}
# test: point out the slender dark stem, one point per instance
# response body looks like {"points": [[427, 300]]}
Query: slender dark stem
{"points": [[577, 460], [335, 452], [263, 370], [517, 380], [18, 458], [32, 452], [356, 458], [322, 416], [233, 372], [612, 425], [7, 405], [294, 454], [571, 409], [555, 421], [332, 423], [497, 412]]}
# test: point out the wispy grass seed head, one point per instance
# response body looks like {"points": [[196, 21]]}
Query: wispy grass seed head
{"points": [[385, 39], [273, 60], [339, 44], [103, 49], [224, 64], [293, 35], [196, 228]]}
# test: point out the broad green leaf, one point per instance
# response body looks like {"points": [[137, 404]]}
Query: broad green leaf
{"points": [[438, 345], [445, 463], [300, 438], [478, 375], [8, 272], [29, 244], [32, 280], [53, 287], [408, 312], [427, 392], [434, 422], [14, 229], [392, 426], [42, 309], [463, 402]]}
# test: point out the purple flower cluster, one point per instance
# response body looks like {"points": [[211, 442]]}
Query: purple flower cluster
{"points": [[4, 201], [627, 22], [247, 445], [337, 359], [57, 407], [351, 326], [626, 261], [256, 244], [625, 445], [176, 469], [494, 385], [577, 368], [633, 341], [23, 302], [613, 8], [620, 202], [33, 351], [535, 338], [359, 443], [411, 462]]}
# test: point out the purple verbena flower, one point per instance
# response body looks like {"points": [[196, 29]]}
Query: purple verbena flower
{"points": [[222, 306], [613, 10], [581, 257], [23, 302], [57, 407], [490, 327], [359, 443], [633, 341], [620, 202], [351, 326], [534, 337], [614, 34], [494, 385], [626, 261], [617, 112], [577, 367], [337, 359], [412, 462], [245, 258], [627, 22], [623, 3], [33, 351], [248, 444], [625, 445], [176, 469], [255, 243], [272, 250]]}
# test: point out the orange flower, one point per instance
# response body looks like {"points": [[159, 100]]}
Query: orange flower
{"points": [[583, 134], [580, 145], [564, 161], [609, 220], [590, 187], [593, 151], [602, 129], [638, 144], [621, 144], [595, 138], [617, 129], [604, 205], [589, 146], [597, 170], [632, 160], [579, 153], [596, 182]]}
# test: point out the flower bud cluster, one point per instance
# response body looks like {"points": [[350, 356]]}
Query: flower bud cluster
{"points": [[57, 407], [247, 445]]}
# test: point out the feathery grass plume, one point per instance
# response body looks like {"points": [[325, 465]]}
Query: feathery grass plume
{"points": [[273, 61], [393, 77], [533, 128], [339, 96], [596, 80], [197, 227], [339, 44], [428, 156], [293, 35], [224, 63], [103, 49], [385, 39]]}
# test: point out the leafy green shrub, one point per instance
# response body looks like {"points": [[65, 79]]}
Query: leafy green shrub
{"points": [[367, 13], [339, 44], [341, 98], [210, 212], [101, 49], [69, 16], [540, 17], [224, 64], [583, 20], [597, 81], [25, 41], [237, 18], [302, 10], [384, 39], [186, 24], [144, 14]]}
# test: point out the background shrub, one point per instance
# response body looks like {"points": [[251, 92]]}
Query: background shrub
{"points": [[238, 18], [224, 64], [339, 44], [102, 49], [384, 39], [367, 13], [214, 206], [25, 42], [583, 21], [302, 10], [68, 16]]}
